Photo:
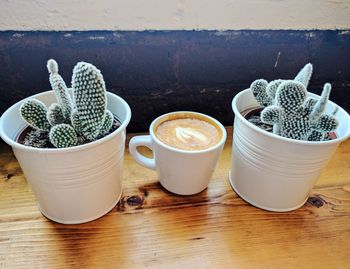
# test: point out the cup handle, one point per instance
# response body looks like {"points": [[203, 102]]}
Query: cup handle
{"points": [[142, 140]]}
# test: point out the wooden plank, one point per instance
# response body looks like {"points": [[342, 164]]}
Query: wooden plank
{"points": [[152, 228]]}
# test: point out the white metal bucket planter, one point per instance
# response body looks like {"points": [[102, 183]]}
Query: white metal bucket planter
{"points": [[76, 184], [273, 172]]}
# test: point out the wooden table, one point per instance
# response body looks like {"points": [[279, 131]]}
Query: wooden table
{"points": [[153, 228]]}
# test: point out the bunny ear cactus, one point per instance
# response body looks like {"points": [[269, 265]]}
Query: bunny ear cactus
{"points": [[293, 116], [72, 122], [288, 109]]}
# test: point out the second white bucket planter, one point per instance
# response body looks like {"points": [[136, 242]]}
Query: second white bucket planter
{"points": [[273, 172], [77, 184]]}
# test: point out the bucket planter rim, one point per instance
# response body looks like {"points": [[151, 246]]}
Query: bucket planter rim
{"points": [[289, 140], [13, 143]]}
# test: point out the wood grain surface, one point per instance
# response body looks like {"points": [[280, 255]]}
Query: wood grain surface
{"points": [[152, 228]]}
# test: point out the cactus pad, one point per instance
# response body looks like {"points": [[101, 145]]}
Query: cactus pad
{"points": [[60, 89], [304, 75], [76, 122], [258, 88], [107, 124], [63, 135], [55, 114], [34, 113], [90, 98], [272, 88]]}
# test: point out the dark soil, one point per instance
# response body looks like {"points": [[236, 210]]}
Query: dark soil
{"points": [[253, 116], [39, 139]]}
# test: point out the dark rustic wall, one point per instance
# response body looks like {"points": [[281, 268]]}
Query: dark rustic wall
{"points": [[162, 71]]}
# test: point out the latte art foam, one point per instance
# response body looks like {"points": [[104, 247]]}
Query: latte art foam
{"points": [[188, 134]]}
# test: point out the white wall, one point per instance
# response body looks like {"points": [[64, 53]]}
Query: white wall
{"points": [[173, 14]]}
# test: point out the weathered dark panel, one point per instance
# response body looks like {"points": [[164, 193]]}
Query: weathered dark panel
{"points": [[163, 71]]}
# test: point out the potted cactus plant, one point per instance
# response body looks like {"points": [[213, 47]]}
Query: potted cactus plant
{"points": [[276, 169], [70, 144], [71, 122]]}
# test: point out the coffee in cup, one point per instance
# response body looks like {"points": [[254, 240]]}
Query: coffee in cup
{"points": [[188, 133]]}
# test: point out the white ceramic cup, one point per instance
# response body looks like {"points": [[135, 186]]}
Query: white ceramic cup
{"points": [[179, 171]]}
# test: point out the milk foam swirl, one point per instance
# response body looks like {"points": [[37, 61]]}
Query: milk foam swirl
{"points": [[188, 133]]}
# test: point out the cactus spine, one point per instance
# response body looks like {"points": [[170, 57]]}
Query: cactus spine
{"points": [[69, 122]]}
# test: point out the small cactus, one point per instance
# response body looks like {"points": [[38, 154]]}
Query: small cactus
{"points": [[294, 117], [290, 111], [69, 122]]}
